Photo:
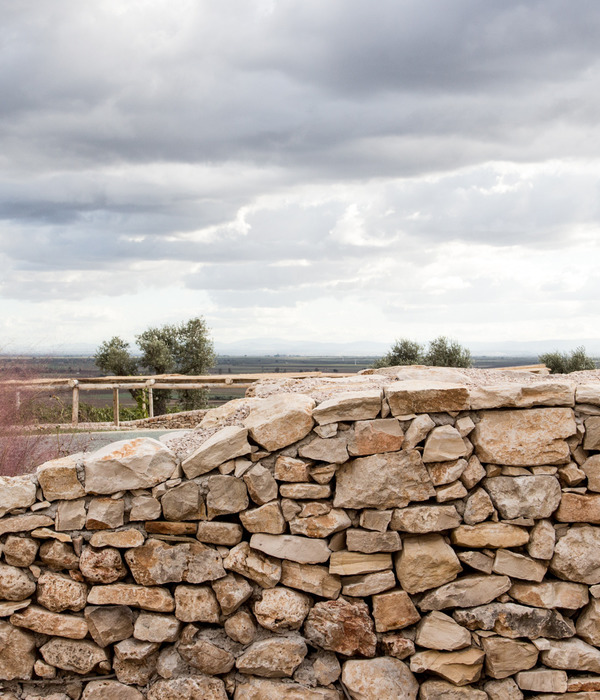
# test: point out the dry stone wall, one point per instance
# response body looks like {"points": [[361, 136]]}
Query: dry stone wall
{"points": [[420, 539]]}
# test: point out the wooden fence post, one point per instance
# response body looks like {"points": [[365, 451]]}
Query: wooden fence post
{"points": [[75, 409], [116, 406]]}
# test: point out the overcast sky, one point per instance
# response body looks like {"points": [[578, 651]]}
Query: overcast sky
{"points": [[327, 170]]}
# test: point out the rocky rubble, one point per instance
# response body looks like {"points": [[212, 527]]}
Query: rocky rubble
{"points": [[433, 537]]}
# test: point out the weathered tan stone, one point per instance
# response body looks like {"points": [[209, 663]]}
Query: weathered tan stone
{"points": [[450, 492], [57, 592], [542, 540], [251, 688], [304, 550], [105, 514], [231, 591], [415, 396], [129, 464], [281, 609], [226, 495], [543, 393], [473, 472], [291, 469], [203, 654], [145, 507], [17, 653], [349, 406], [24, 523], [490, 535], [240, 627], [311, 579], [425, 519], [156, 599], [371, 437], [583, 683], [443, 444], [183, 502], [280, 420], [16, 492], [58, 478], [227, 534], [577, 555], [551, 594], [477, 560], [276, 657], [571, 655], [228, 443], [505, 689], [379, 679], [466, 592], [261, 485], [591, 440], [196, 604], [249, 563], [518, 566], [156, 628], [120, 539], [102, 565], [15, 584], [38, 619], [332, 450], [368, 584], [542, 681], [370, 542], [134, 662], [267, 518], [479, 507], [326, 668], [588, 623], [197, 686], [504, 657], [524, 496], [390, 480], [537, 436], [109, 624], [71, 515], [58, 555], [377, 520], [442, 690], [426, 562], [305, 491], [393, 610], [102, 690], [512, 620], [459, 667], [441, 632], [342, 627], [579, 508], [446, 472], [78, 656], [321, 525], [347, 563]]}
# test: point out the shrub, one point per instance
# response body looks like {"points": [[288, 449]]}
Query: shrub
{"points": [[441, 352], [402, 352], [565, 363]]}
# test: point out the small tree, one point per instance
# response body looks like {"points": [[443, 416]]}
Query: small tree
{"points": [[402, 352], [113, 357], [444, 352], [565, 363]]}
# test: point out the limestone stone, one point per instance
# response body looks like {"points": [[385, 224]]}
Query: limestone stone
{"points": [[332, 450], [443, 444], [477, 560], [446, 472], [215, 532], [542, 540], [473, 473], [543, 393], [101, 690], [291, 469], [588, 623], [228, 443], [505, 689], [134, 671], [450, 492], [59, 480], [145, 507], [490, 535], [58, 555], [349, 406], [281, 609], [368, 584], [323, 473], [326, 668], [102, 565], [15, 584], [571, 655], [371, 437], [542, 681], [24, 523], [577, 555], [591, 440], [280, 420], [321, 525], [579, 508], [155, 598], [156, 628], [17, 653], [442, 690], [425, 519], [109, 624], [251, 688], [78, 656], [425, 562], [591, 468], [261, 485], [20, 551], [415, 396], [342, 627], [311, 509], [38, 619], [128, 464], [231, 591], [479, 507], [267, 518], [370, 542], [583, 683], [382, 678], [183, 502], [196, 604], [347, 563], [417, 431], [71, 515], [251, 564], [303, 550], [58, 593], [305, 491], [226, 495], [311, 579], [390, 480], [393, 610], [524, 496], [105, 514], [394, 644], [468, 591], [203, 654], [505, 657], [518, 566], [276, 657], [588, 393], [240, 627], [459, 667], [441, 632], [537, 436], [512, 620], [16, 492], [551, 594], [377, 520], [192, 688]]}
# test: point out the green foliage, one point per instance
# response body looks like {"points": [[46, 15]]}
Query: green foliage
{"points": [[565, 363], [441, 352], [113, 357]]}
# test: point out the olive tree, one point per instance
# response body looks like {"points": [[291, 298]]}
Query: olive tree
{"points": [[441, 352], [565, 363]]}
